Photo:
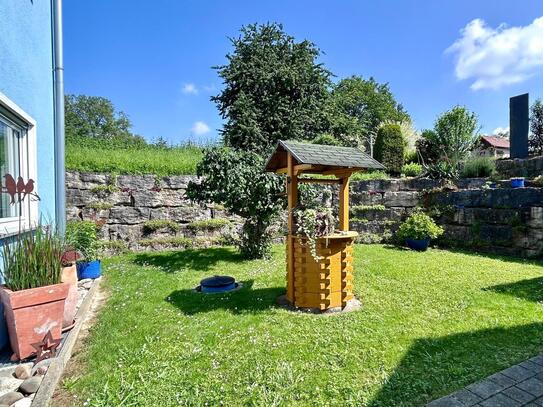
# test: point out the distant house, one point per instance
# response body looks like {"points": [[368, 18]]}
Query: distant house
{"points": [[31, 125], [492, 146]]}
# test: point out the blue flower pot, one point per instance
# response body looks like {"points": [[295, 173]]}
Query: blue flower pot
{"points": [[418, 245], [517, 182], [89, 269]]}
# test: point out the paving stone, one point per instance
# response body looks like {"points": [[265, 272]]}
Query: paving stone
{"points": [[518, 394], [533, 386], [518, 373], [532, 366], [485, 389], [466, 397], [499, 400], [502, 380], [537, 359], [539, 401], [448, 401]]}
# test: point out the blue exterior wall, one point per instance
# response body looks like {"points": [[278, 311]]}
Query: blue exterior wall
{"points": [[26, 77]]}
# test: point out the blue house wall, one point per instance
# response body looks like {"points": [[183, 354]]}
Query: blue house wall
{"points": [[26, 78]]}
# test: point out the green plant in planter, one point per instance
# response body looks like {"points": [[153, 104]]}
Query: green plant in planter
{"points": [[419, 226], [313, 223], [81, 236], [33, 259]]}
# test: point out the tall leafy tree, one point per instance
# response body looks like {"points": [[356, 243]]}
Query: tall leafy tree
{"points": [[93, 116], [274, 88], [357, 107], [535, 142]]}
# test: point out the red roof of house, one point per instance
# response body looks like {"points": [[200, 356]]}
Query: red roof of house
{"points": [[494, 141]]}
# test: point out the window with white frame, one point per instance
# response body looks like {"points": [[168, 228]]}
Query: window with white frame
{"points": [[17, 164]]}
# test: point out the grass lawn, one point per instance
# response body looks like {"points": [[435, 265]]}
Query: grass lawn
{"points": [[431, 323]]}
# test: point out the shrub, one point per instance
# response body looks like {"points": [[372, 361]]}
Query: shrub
{"points": [[389, 147], [428, 151], [208, 224], [369, 175], [81, 236], [538, 181], [411, 156], [327, 140], [419, 226], [412, 170], [236, 180], [479, 167], [153, 225], [33, 259]]}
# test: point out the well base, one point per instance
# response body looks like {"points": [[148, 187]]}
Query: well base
{"points": [[352, 305]]}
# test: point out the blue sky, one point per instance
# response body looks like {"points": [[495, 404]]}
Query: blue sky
{"points": [[154, 59]]}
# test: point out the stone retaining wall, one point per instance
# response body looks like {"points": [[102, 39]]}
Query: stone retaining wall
{"points": [[530, 167], [123, 205], [503, 220]]}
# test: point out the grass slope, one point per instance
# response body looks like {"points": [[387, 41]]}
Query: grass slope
{"points": [[140, 160], [431, 323]]}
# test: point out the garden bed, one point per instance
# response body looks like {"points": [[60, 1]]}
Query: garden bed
{"points": [[431, 323]]}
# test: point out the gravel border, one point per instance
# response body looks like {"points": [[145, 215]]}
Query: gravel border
{"points": [[56, 368]]}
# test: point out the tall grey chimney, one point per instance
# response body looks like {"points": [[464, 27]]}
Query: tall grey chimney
{"points": [[519, 121]]}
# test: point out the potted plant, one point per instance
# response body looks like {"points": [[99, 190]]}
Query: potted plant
{"points": [[33, 295], [517, 182], [81, 236], [417, 231], [312, 223]]}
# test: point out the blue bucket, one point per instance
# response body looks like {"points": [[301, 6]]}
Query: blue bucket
{"points": [[89, 269], [418, 245], [517, 182]]}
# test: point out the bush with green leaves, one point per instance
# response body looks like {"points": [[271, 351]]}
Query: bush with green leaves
{"points": [[454, 136], [236, 180], [81, 236], [479, 167], [33, 259], [412, 170], [419, 226], [390, 147], [428, 151], [327, 140]]}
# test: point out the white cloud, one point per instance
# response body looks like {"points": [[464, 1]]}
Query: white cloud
{"points": [[501, 131], [200, 128], [190, 89], [496, 57]]}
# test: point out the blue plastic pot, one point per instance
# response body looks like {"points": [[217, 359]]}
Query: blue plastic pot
{"points": [[418, 245], [517, 182], [89, 269]]}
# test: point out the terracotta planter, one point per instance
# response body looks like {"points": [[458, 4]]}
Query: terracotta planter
{"points": [[69, 276], [31, 313]]}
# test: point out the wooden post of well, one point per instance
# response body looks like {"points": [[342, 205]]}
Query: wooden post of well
{"points": [[292, 192], [344, 204]]}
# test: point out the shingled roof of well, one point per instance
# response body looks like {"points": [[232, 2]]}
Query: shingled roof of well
{"points": [[317, 154]]}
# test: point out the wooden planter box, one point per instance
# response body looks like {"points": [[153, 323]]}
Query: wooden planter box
{"points": [[31, 313], [328, 283]]}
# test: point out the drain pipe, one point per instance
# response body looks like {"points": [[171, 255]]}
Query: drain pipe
{"points": [[58, 80]]}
